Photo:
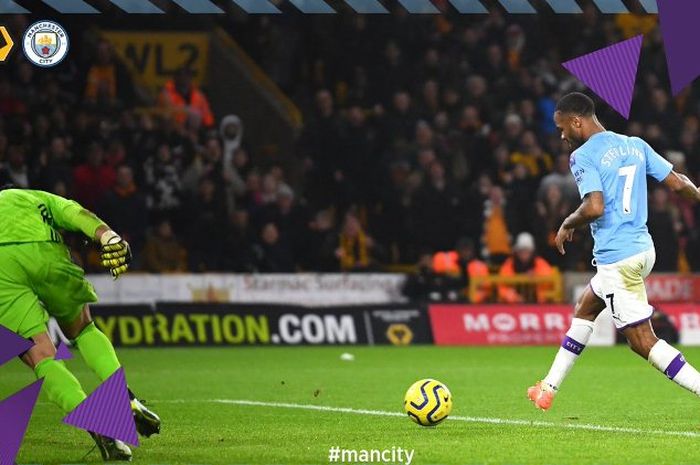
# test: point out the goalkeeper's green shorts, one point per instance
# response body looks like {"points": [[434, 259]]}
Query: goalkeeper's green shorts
{"points": [[38, 279]]}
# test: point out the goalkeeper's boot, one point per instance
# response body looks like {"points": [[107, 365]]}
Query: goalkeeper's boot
{"points": [[542, 395], [147, 422], [112, 450]]}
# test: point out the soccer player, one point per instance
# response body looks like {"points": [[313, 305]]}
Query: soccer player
{"points": [[38, 279], [611, 172]]}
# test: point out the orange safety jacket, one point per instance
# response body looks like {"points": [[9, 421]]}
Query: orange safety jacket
{"points": [[510, 295], [448, 263], [198, 102]]}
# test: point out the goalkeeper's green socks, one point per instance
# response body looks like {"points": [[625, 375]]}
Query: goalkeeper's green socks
{"points": [[62, 388], [97, 351]]}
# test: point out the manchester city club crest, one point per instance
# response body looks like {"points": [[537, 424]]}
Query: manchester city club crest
{"points": [[45, 43]]}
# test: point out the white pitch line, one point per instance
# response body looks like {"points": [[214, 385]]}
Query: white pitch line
{"points": [[488, 420]]}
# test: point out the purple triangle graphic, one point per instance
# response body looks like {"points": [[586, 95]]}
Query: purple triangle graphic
{"points": [[63, 353], [11, 345], [107, 411], [610, 72], [15, 412], [679, 28]]}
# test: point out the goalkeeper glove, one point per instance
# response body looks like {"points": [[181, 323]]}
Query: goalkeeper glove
{"points": [[115, 253]]}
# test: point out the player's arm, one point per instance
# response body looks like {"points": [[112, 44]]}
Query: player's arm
{"points": [[662, 170], [592, 207], [71, 216], [681, 185]]}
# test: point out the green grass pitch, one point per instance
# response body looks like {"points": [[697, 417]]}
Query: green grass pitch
{"points": [[610, 387]]}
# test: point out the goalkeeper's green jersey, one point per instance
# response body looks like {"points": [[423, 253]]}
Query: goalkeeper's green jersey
{"points": [[37, 216]]}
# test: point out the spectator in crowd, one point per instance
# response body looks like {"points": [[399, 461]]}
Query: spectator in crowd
{"points": [[163, 181], [501, 166], [531, 155], [252, 198], [235, 157], [93, 178], [243, 165], [551, 212], [207, 163], [115, 154], [474, 140], [320, 230], [665, 226], [108, 83], [16, 168], [684, 207], [124, 208], [320, 146], [54, 165], [60, 188], [430, 102], [496, 236], [231, 132], [562, 178], [463, 264], [512, 131], [358, 165], [185, 103], [289, 217], [353, 248], [205, 212], [437, 210], [515, 46], [525, 262], [661, 112], [392, 211], [270, 187], [400, 121], [148, 133], [520, 188], [427, 285], [237, 247], [163, 252], [270, 254], [478, 95], [391, 73]]}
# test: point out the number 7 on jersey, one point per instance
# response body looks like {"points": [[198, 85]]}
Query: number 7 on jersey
{"points": [[628, 172]]}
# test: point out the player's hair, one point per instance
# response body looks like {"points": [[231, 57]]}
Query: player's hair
{"points": [[576, 103]]}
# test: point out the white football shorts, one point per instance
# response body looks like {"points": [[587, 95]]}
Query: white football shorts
{"points": [[621, 286]]}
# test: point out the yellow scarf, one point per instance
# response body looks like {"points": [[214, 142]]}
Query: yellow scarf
{"points": [[349, 260]]}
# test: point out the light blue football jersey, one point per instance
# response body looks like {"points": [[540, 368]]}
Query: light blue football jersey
{"points": [[618, 166]]}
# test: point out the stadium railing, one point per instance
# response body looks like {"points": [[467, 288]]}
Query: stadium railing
{"points": [[532, 289]]}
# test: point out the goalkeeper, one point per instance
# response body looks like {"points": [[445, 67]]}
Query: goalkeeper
{"points": [[38, 279]]}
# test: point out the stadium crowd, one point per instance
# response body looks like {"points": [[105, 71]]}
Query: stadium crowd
{"points": [[423, 134]]}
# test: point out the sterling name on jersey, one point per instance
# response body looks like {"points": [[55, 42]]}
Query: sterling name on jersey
{"points": [[618, 166]]}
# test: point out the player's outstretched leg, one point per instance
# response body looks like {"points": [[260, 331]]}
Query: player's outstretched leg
{"points": [[60, 386], [664, 357], [95, 348], [588, 308], [98, 353], [64, 390]]}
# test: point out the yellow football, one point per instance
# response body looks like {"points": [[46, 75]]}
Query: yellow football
{"points": [[428, 402]]}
